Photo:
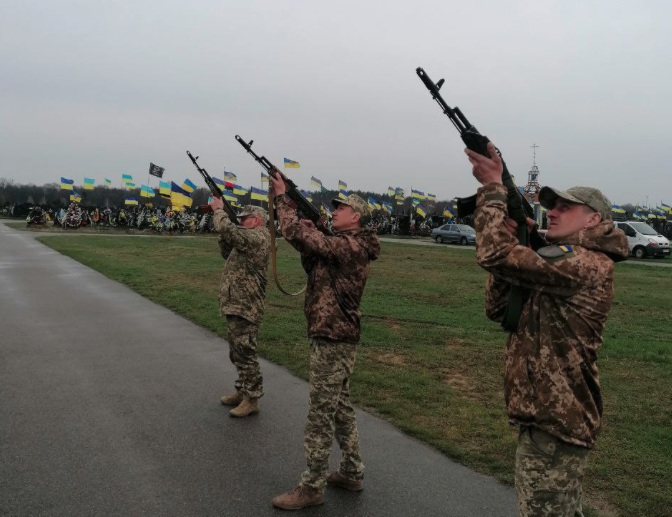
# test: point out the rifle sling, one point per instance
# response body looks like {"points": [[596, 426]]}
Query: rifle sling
{"points": [[274, 259]]}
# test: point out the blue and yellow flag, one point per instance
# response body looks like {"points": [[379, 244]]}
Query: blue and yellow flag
{"points": [[179, 197], [88, 183], [146, 191], [164, 189], [431, 197], [306, 195], [230, 197], [420, 210], [258, 194], [374, 205], [617, 209], [325, 210], [342, 185], [387, 207], [447, 212], [108, 182], [131, 201], [125, 178], [264, 178], [667, 208], [188, 185], [391, 191], [291, 164], [77, 198], [399, 194], [316, 184], [239, 190], [230, 176], [129, 185], [67, 183]]}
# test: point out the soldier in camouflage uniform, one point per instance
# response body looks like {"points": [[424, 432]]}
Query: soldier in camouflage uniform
{"points": [[552, 387], [246, 249], [337, 268]]}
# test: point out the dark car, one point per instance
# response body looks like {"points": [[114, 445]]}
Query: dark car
{"points": [[459, 233]]}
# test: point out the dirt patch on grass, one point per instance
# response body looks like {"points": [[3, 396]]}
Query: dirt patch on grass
{"points": [[603, 507], [454, 343], [389, 359], [462, 385]]}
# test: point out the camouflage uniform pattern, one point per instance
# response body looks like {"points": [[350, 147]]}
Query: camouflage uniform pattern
{"points": [[243, 284], [242, 336], [330, 413], [242, 295], [337, 268], [549, 475], [551, 381]]}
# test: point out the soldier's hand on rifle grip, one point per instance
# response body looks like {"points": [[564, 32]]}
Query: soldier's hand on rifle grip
{"points": [[486, 170], [278, 184], [216, 204]]}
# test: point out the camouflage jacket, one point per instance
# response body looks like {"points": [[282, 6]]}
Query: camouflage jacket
{"points": [[247, 252], [551, 379], [337, 268]]}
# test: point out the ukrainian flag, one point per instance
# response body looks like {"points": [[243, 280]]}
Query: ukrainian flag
{"points": [[188, 185], [164, 189], [325, 210], [130, 185], [258, 194], [88, 183], [399, 194], [67, 184], [667, 208], [342, 185], [387, 207], [431, 197], [131, 201], [343, 194], [447, 212], [307, 196], [373, 204], [264, 178], [617, 209], [315, 183], [230, 176], [108, 182], [230, 197], [220, 184], [391, 191], [179, 197], [146, 191], [239, 190], [420, 210], [77, 198], [125, 178], [291, 164]]}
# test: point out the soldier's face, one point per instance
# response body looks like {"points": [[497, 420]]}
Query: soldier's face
{"points": [[251, 221], [344, 218], [568, 218]]}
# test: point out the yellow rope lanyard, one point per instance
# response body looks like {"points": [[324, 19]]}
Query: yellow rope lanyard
{"points": [[274, 257]]}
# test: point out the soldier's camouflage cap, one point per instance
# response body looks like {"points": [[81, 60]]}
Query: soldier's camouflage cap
{"points": [[591, 197], [253, 210], [357, 204]]}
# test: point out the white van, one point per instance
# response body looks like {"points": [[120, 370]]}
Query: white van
{"points": [[643, 240]]}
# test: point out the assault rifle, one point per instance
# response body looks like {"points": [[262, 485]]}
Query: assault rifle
{"points": [[518, 207], [304, 208], [214, 188]]}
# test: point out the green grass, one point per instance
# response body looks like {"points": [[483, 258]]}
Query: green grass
{"points": [[431, 363]]}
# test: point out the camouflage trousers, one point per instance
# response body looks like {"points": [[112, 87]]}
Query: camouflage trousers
{"points": [[330, 413], [549, 475], [243, 354]]}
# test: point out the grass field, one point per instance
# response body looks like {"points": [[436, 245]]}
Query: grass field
{"points": [[431, 363]]}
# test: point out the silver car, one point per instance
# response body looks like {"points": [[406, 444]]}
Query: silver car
{"points": [[461, 233]]}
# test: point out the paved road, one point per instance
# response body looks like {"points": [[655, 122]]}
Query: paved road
{"points": [[109, 405]]}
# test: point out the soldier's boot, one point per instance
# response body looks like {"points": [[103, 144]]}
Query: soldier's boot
{"points": [[339, 480], [247, 407], [299, 497], [232, 400]]}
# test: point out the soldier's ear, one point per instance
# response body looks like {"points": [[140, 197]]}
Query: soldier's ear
{"points": [[593, 220]]}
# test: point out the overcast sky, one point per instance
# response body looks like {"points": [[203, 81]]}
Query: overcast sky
{"points": [[98, 89]]}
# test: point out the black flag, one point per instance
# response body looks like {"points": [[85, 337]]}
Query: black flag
{"points": [[155, 170]]}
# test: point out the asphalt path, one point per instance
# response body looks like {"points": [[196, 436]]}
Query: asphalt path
{"points": [[109, 405]]}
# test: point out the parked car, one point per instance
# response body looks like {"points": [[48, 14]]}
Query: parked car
{"points": [[462, 233], [643, 240]]}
